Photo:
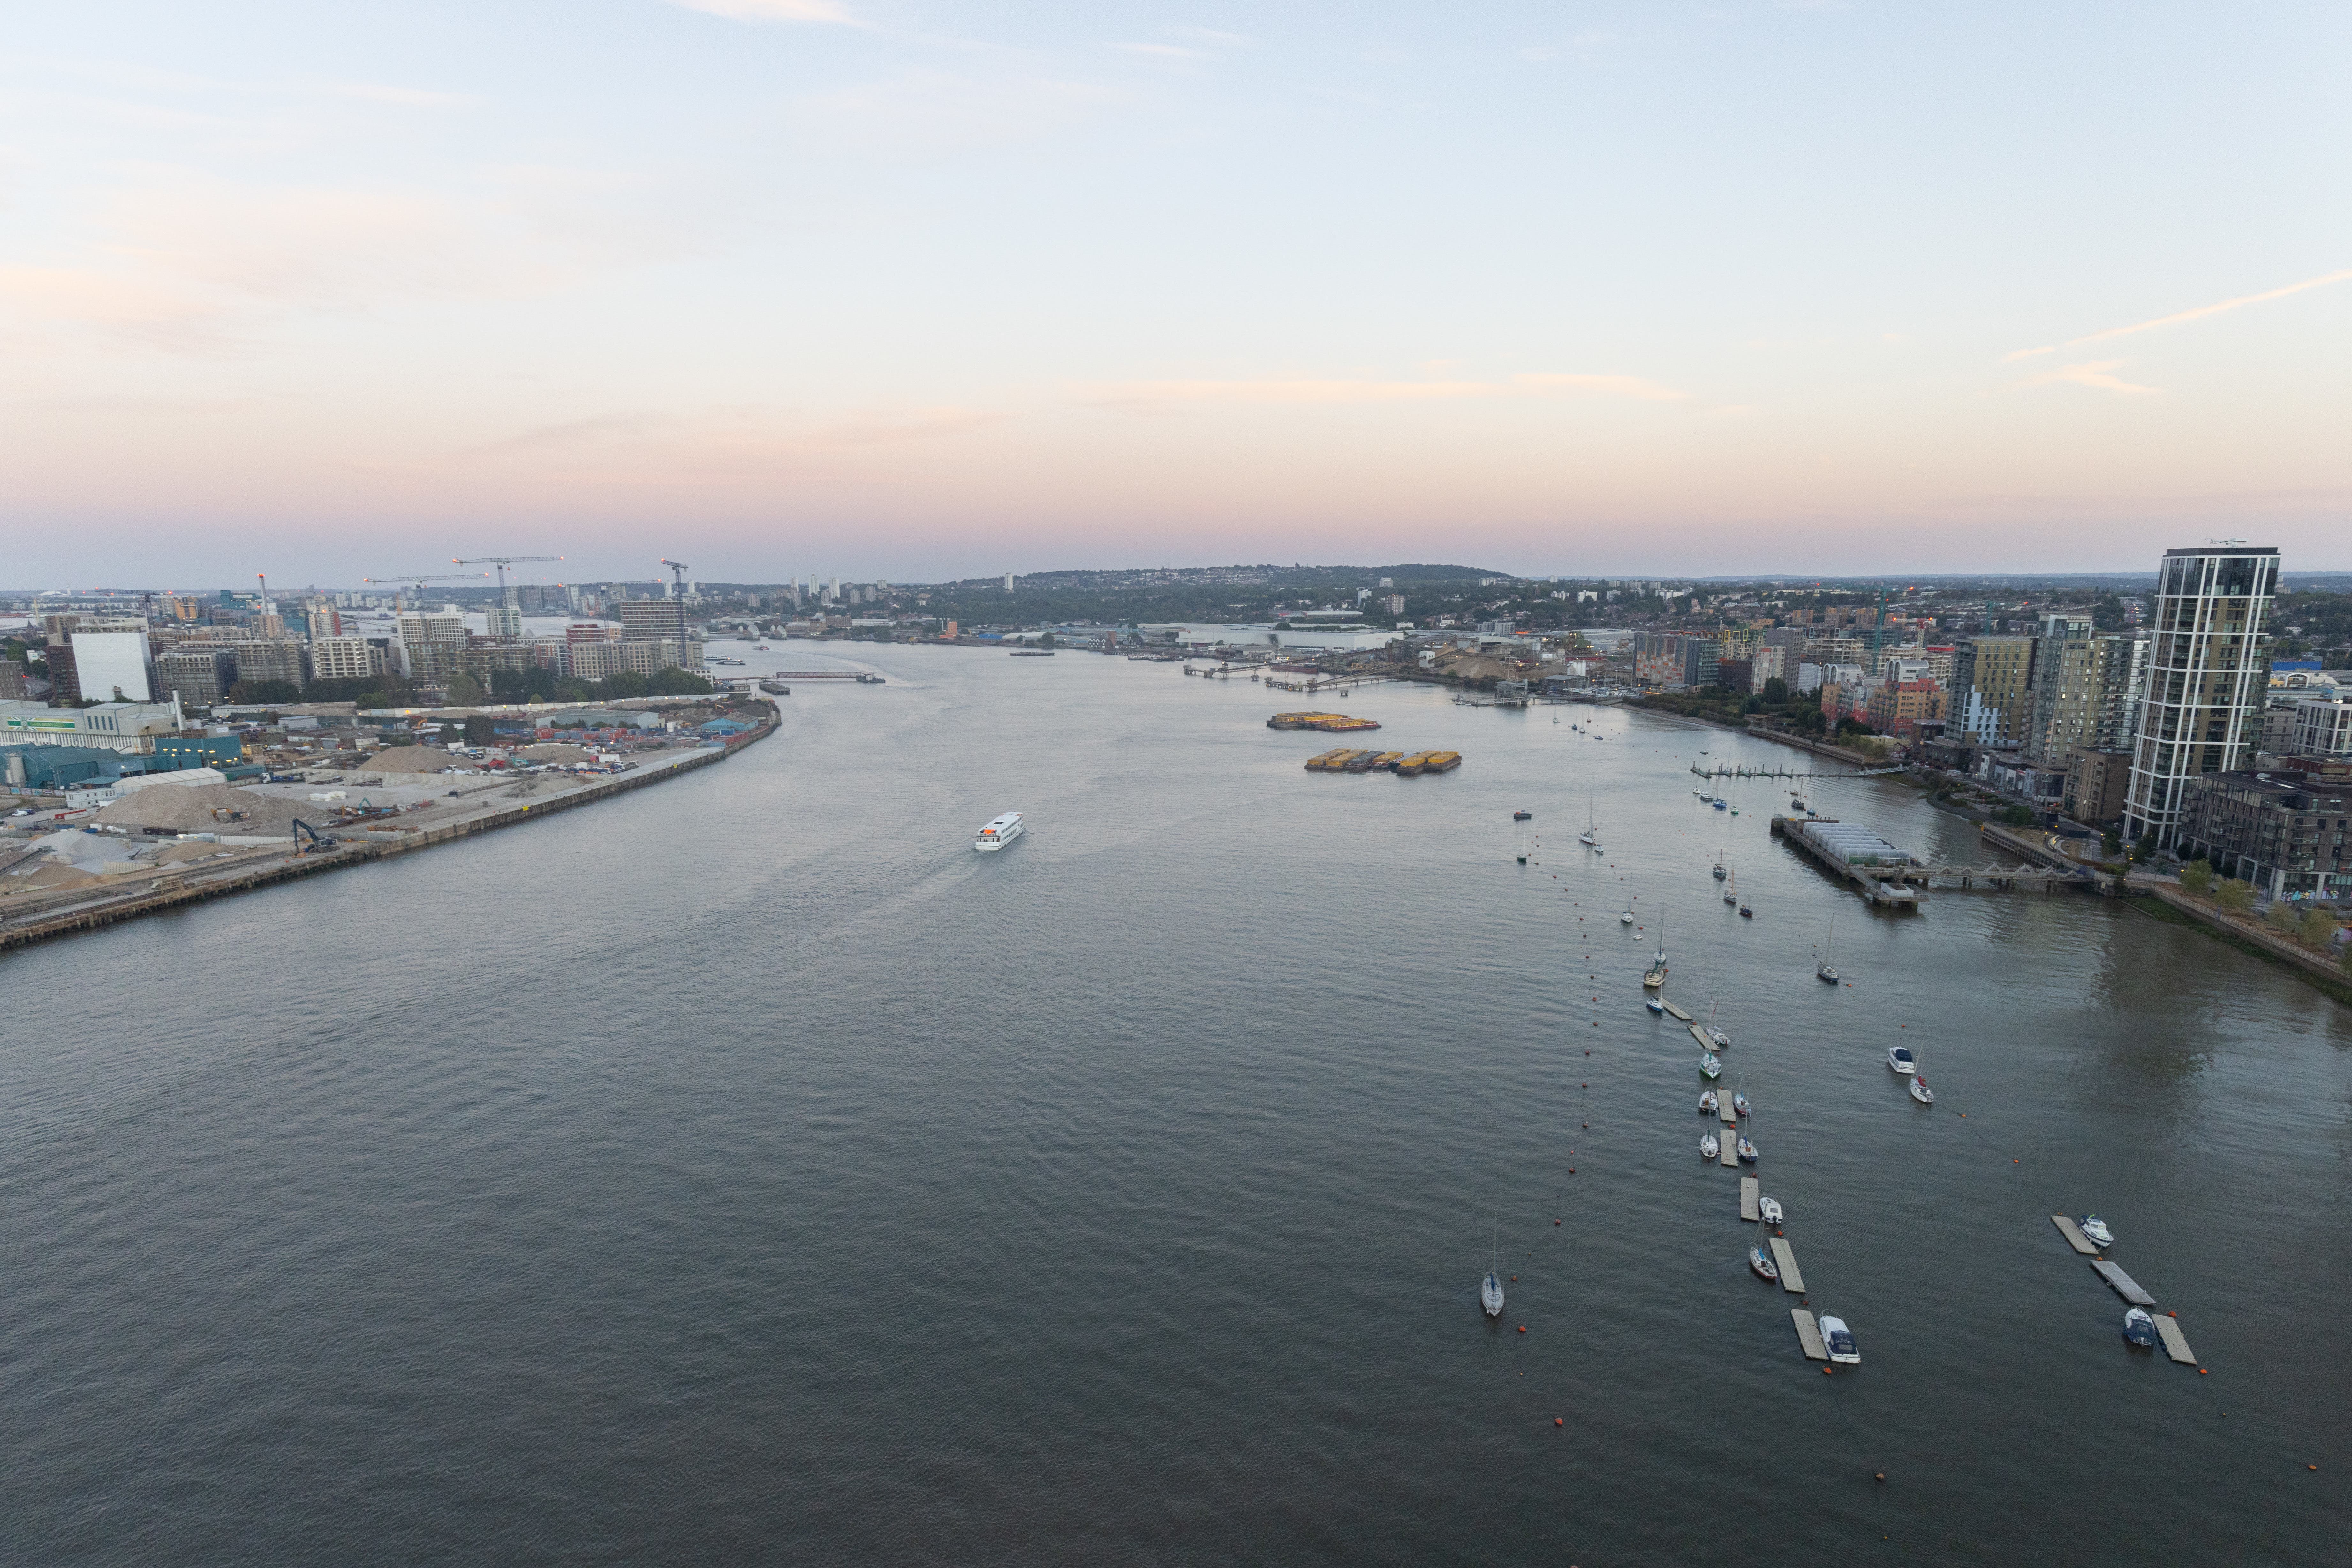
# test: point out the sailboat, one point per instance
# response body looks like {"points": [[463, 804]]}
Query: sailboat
{"points": [[1490, 1292], [1590, 837], [1920, 1091], [1719, 866], [1722, 1041], [1731, 888], [1821, 969], [1627, 918], [1655, 976]]}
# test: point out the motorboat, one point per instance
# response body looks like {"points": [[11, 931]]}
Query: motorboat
{"points": [[1746, 913], [1709, 1105], [2139, 1328], [1900, 1058], [1523, 816], [1490, 1290], [1704, 796], [1761, 1262], [1768, 1209], [1739, 1104], [999, 831], [2095, 1227], [1840, 1339], [1655, 1005], [1920, 1091], [1708, 1148], [1746, 1151], [1708, 1068]]}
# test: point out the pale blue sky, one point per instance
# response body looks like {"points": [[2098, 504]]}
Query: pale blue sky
{"points": [[919, 289]]}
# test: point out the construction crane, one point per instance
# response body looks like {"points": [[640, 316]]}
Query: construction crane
{"points": [[506, 593], [420, 579], [678, 571]]}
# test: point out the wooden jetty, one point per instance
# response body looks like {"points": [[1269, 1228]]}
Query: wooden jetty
{"points": [[1674, 1012], [1808, 1334], [1699, 1035], [1730, 1145], [2073, 1235], [2126, 1286], [1790, 1280], [1725, 1109], [1748, 1199], [2176, 1344]]}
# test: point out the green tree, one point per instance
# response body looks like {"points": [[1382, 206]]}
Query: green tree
{"points": [[481, 730], [2015, 816], [2285, 916], [1776, 693], [676, 682], [2317, 929], [2197, 878], [465, 691], [2235, 896], [265, 691]]}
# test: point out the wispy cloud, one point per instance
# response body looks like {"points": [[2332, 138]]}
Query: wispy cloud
{"points": [[772, 10], [1368, 390], [1162, 51], [2099, 374], [2177, 317]]}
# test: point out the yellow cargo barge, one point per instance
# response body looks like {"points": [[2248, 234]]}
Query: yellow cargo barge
{"points": [[1335, 723]]}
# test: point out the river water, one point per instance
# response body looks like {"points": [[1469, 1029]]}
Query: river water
{"points": [[743, 1169]]}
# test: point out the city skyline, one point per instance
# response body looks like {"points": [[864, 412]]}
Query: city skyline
{"points": [[929, 294]]}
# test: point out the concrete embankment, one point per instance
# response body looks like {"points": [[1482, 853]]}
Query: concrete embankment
{"points": [[358, 847], [2253, 934]]}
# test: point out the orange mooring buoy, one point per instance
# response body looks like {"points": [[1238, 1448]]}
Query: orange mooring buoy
{"points": [[1557, 1421], [1523, 1328]]}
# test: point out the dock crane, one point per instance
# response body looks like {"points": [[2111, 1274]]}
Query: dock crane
{"points": [[506, 590], [420, 579], [678, 571]]}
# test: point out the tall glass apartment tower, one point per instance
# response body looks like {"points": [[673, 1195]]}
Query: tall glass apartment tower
{"points": [[2207, 676]]}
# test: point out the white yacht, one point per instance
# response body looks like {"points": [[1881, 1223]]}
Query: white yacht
{"points": [[1708, 1148], [1770, 1210], [1840, 1339], [1901, 1060], [1920, 1091], [1000, 831], [2095, 1227]]}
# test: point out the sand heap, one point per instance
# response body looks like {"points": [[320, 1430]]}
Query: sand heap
{"points": [[411, 760], [554, 753], [205, 808]]}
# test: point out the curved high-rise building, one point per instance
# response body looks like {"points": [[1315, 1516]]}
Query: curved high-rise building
{"points": [[2208, 673]]}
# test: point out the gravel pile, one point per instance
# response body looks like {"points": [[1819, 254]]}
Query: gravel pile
{"points": [[553, 752], [411, 760], [190, 809]]}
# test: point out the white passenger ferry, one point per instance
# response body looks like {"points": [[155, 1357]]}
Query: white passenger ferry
{"points": [[1000, 831]]}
